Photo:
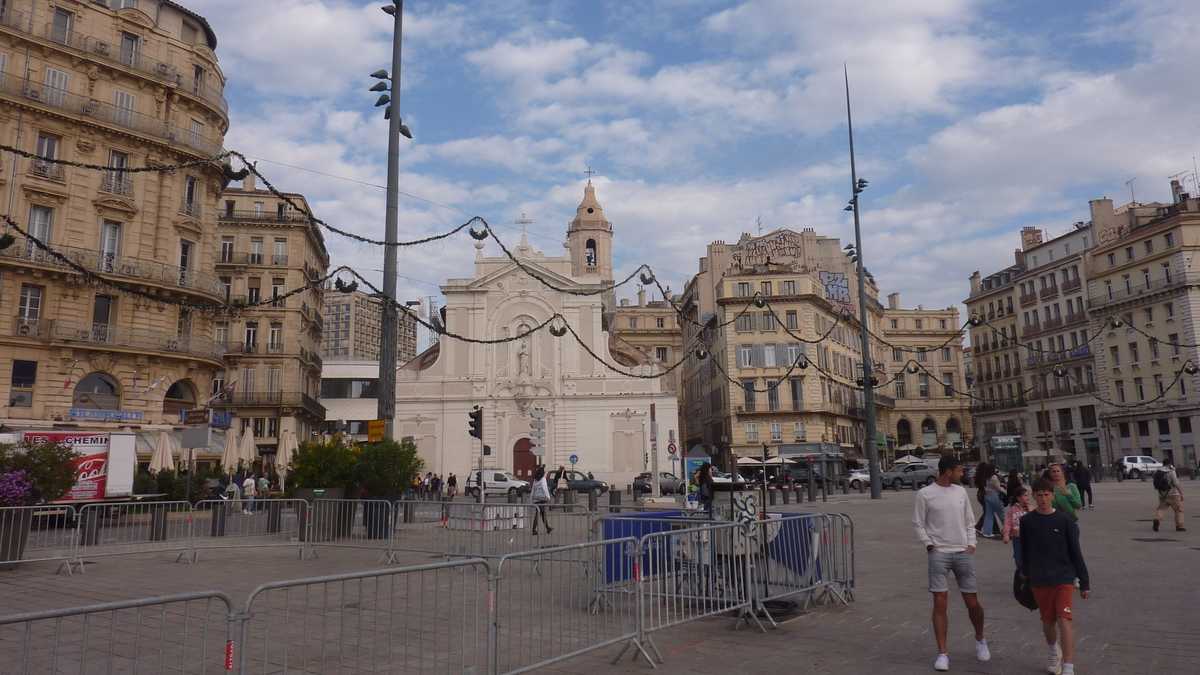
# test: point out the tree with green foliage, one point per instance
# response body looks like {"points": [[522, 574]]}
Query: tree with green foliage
{"points": [[385, 469], [323, 464]]}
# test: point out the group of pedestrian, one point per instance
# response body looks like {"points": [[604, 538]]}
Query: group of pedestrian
{"points": [[1046, 553], [432, 486], [244, 488]]}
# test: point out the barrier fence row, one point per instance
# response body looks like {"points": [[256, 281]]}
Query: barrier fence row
{"points": [[510, 614]]}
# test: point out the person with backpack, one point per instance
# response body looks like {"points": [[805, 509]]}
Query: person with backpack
{"points": [[1051, 561], [1170, 495]]}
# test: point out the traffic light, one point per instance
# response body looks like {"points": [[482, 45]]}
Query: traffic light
{"points": [[537, 431], [476, 422]]}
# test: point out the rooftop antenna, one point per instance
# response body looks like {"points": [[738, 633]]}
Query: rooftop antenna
{"points": [[758, 222], [1132, 198]]}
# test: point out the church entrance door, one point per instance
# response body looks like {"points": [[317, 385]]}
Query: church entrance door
{"points": [[524, 461]]}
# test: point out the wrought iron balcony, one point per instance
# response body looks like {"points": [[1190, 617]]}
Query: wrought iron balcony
{"points": [[117, 183], [106, 335], [272, 399], [25, 251]]}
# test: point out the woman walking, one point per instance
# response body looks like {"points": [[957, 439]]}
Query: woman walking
{"points": [[541, 497], [1066, 495], [1014, 481], [993, 508]]}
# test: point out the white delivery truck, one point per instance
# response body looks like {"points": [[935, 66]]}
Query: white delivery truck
{"points": [[106, 461]]}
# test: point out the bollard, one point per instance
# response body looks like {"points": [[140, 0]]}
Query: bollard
{"points": [[787, 495], [1143, 476], [220, 511], [512, 497], [914, 484], [772, 497], [614, 501], [158, 523], [89, 527], [812, 487], [1120, 475], [274, 516], [593, 500], [845, 487]]}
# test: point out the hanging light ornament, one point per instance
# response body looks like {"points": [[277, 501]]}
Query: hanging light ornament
{"points": [[759, 301], [647, 277], [912, 368], [558, 328], [701, 353], [975, 320], [480, 234], [1190, 368]]}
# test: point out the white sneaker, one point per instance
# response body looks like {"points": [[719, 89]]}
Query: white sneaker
{"points": [[1068, 669], [1054, 660], [981, 651], [942, 662]]}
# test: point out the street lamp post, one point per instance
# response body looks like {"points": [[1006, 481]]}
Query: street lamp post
{"points": [[864, 331], [387, 349]]}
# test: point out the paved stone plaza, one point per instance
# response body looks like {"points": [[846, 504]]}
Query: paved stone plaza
{"points": [[1140, 619]]}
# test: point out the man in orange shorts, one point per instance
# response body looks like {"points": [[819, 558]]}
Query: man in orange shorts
{"points": [[1052, 560]]}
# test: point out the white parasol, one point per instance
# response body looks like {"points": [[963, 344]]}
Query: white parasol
{"points": [[163, 458], [284, 454], [229, 457], [248, 449]]}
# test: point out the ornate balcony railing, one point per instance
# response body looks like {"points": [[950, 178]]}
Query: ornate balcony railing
{"points": [[24, 250], [293, 399], [100, 334], [32, 92], [117, 183]]}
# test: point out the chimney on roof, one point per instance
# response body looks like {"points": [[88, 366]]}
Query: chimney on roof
{"points": [[976, 282], [248, 183], [893, 301], [641, 297], [1176, 191], [1030, 237]]}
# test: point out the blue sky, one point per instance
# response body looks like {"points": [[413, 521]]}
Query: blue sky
{"points": [[972, 120]]}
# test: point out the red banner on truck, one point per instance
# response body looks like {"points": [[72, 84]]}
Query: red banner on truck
{"points": [[92, 461]]}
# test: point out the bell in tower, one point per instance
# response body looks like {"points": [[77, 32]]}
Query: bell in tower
{"points": [[589, 238]]}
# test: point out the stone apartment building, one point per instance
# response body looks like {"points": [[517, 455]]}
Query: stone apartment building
{"points": [[931, 412], [1144, 301], [353, 328], [272, 375], [127, 86], [1059, 375], [649, 332], [812, 288], [999, 406]]}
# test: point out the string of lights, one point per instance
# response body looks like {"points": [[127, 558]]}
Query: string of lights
{"points": [[915, 367], [115, 169], [977, 321], [1188, 368], [209, 307]]}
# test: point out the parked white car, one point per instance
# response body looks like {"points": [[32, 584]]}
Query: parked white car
{"points": [[1135, 466], [859, 477], [495, 482]]}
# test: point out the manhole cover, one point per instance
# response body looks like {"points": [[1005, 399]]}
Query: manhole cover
{"points": [[1153, 539]]}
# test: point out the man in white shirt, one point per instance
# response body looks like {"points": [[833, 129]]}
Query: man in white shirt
{"points": [[945, 524], [249, 492]]}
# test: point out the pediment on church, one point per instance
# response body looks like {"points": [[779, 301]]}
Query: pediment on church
{"points": [[513, 278]]}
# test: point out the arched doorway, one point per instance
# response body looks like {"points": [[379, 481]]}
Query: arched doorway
{"points": [[97, 391], [524, 461], [180, 396], [903, 433], [928, 433], [953, 432]]}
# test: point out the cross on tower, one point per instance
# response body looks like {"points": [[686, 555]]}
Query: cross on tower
{"points": [[589, 173]]}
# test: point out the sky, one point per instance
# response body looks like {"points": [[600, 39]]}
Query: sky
{"points": [[703, 118]]}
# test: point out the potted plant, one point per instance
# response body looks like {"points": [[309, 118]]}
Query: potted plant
{"points": [[324, 470], [383, 471], [30, 474]]}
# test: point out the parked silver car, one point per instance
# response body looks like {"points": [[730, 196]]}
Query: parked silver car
{"points": [[904, 476]]}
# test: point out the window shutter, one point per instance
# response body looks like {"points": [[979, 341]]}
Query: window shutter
{"points": [[758, 356], [781, 358]]}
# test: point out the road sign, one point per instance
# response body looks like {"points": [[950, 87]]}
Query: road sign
{"points": [[574, 459], [671, 448], [374, 431]]}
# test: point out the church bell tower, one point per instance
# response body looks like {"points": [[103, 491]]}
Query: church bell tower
{"points": [[589, 239]]}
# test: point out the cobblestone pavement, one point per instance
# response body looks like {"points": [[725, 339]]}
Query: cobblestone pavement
{"points": [[1141, 618]]}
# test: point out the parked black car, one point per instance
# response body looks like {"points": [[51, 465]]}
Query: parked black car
{"points": [[578, 481]]}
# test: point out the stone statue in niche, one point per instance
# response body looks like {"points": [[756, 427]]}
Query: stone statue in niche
{"points": [[524, 359]]}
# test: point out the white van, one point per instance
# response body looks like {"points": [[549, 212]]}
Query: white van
{"points": [[495, 482]]}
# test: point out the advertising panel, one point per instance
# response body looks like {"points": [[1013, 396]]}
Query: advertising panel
{"points": [[92, 460]]}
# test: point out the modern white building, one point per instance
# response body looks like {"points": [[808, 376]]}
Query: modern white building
{"points": [[349, 392], [598, 416]]}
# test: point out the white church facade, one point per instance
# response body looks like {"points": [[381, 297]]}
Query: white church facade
{"points": [[593, 413]]}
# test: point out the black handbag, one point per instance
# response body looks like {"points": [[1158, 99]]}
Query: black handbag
{"points": [[1023, 592]]}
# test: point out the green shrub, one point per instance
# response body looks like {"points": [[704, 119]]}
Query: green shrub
{"points": [[49, 466], [322, 464], [385, 469]]}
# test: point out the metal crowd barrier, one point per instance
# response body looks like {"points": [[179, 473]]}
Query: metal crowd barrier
{"points": [[488, 530], [187, 633], [350, 523], [428, 618], [522, 611], [36, 534], [132, 527], [548, 609], [220, 523]]}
